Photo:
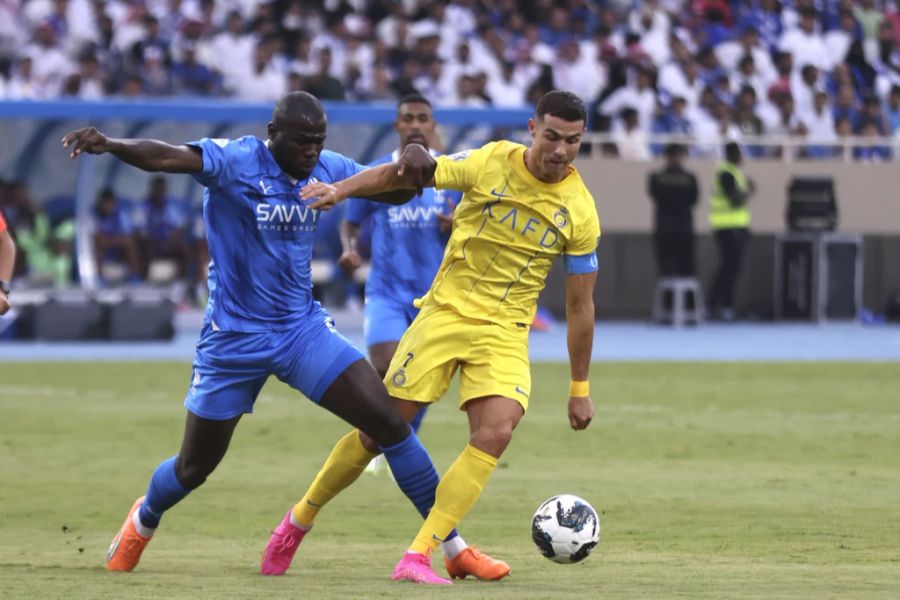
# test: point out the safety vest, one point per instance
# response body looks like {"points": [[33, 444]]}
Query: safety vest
{"points": [[722, 214]]}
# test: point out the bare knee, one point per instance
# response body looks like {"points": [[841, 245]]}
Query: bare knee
{"points": [[492, 439], [191, 473]]}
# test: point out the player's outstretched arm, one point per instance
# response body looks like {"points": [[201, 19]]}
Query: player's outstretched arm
{"points": [[580, 324], [148, 155], [350, 259], [7, 261], [414, 170]]}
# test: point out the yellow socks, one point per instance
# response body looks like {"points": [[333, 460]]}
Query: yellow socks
{"points": [[345, 463], [457, 493]]}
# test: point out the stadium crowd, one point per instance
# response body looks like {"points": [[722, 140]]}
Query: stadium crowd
{"points": [[824, 69]]}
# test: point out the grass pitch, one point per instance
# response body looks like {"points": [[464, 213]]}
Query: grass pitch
{"points": [[714, 480]]}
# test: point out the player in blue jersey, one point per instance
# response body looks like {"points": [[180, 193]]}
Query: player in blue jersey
{"points": [[261, 318], [407, 247]]}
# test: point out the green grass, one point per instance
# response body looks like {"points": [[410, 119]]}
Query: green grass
{"points": [[714, 480]]}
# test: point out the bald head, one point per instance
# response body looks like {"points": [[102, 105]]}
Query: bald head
{"points": [[297, 133], [298, 108]]}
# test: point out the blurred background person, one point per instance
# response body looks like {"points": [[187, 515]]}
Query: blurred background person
{"points": [[729, 218], [673, 191]]}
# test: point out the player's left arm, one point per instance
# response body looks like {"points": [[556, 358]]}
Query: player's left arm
{"points": [[580, 325]]}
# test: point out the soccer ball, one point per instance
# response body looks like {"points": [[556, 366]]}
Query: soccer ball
{"points": [[565, 529]]}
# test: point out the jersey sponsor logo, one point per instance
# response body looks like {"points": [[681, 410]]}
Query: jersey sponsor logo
{"points": [[413, 216], [286, 217], [522, 223]]}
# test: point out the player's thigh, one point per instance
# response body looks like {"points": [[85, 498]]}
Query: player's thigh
{"points": [[358, 396], [229, 370], [427, 357], [314, 355], [384, 321], [497, 364]]}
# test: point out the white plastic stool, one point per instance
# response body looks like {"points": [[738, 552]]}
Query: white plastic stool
{"points": [[679, 313]]}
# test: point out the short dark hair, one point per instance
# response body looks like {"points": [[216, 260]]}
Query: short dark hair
{"points": [[732, 151], [414, 98], [675, 150], [558, 103]]}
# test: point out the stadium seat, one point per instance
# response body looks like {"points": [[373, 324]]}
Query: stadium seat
{"points": [[685, 301]]}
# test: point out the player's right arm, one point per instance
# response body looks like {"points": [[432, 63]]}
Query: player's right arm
{"points": [[7, 261], [145, 154], [350, 259]]}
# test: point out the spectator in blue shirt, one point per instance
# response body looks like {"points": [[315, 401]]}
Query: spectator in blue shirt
{"points": [[765, 17], [191, 78], [114, 240], [161, 228]]}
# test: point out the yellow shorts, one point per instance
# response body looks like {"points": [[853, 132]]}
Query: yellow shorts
{"points": [[492, 359]]}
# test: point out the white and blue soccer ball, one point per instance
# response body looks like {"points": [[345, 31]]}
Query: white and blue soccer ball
{"points": [[565, 529]]}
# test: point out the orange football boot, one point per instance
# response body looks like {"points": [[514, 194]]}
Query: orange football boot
{"points": [[472, 561], [126, 548]]}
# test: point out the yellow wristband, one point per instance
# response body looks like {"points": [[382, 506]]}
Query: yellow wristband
{"points": [[579, 389]]}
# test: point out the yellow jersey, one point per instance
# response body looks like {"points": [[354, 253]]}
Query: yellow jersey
{"points": [[507, 229]]}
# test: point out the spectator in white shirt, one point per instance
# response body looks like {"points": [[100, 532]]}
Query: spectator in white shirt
{"points": [[504, 90], [682, 79], [837, 41], [575, 73], [638, 94], [730, 54], [805, 44], [92, 78], [23, 85], [302, 63], [630, 137], [804, 88], [262, 82], [392, 30], [433, 84], [231, 52], [747, 75], [819, 122], [50, 65]]}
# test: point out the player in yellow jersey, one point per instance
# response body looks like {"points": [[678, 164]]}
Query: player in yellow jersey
{"points": [[521, 209]]}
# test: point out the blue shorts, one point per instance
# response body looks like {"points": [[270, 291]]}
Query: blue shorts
{"points": [[230, 367], [386, 319]]}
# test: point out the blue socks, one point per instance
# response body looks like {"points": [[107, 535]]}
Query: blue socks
{"points": [[414, 473], [164, 492]]}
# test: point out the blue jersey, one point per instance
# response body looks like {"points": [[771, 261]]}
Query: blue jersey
{"points": [[260, 234], [407, 243]]}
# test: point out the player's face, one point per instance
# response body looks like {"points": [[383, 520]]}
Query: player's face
{"points": [[296, 146], [415, 124], [555, 143]]}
